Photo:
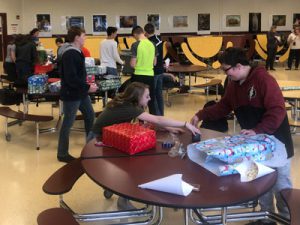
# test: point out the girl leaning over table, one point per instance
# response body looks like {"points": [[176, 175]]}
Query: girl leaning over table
{"points": [[129, 106]]}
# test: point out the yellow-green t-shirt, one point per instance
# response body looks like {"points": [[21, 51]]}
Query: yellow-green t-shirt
{"points": [[144, 51]]}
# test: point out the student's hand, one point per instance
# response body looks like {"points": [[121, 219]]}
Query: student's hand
{"points": [[192, 128], [195, 120], [248, 132]]}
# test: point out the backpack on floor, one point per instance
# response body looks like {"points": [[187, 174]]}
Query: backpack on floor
{"points": [[9, 96], [220, 125]]}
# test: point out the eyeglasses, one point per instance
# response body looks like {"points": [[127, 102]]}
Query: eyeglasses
{"points": [[226, 70]]}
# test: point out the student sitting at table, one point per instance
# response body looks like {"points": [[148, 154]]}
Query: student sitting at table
{"points": [[128, 106]]}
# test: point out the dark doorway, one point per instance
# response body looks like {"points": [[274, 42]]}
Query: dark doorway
{"points": [[3, 35]]}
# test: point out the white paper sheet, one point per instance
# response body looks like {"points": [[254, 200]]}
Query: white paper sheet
{"points": [[250, 170], [167, 62], [171, 184]]}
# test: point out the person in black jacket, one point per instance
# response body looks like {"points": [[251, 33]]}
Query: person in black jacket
{"points": [[26, 55], [74, 91], [273, 39]]}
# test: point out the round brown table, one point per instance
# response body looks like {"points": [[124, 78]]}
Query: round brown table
{"points": [[121, 174], [293, 96], [185, 69]]}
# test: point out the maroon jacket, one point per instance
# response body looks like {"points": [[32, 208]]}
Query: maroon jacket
{"points": [[257, 103]]}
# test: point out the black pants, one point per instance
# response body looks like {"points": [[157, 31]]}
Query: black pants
{"points": [[10, 70], [294, 54], [149, 80], [270, 58]]}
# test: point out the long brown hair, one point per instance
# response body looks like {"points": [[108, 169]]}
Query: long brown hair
{"points": [[131, 95]]}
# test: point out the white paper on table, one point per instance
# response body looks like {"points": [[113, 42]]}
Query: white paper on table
{"points": [[171, 184], [200, 158], [251, 170], [167, 62]]}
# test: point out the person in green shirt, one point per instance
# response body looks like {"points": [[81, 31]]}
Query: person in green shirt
{"points": [[143, 59]]}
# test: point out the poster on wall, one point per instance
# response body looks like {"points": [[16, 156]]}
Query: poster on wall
{"points": [[279, 20], [74, 21], [203, 21], [254, 22], [154, 19], [63, 22], [233, 20], [99, 23], [127, 21], [180, 21], [43, 23], [296, 18]]}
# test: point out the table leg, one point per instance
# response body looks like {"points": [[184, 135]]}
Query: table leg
{"points": [[296, 110], [37, 136], [105, 98], [25, 104], [186, 216], [60, 108], [224, 215], [160, 216]]}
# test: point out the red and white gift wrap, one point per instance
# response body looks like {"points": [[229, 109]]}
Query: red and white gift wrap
{"points": [[129, 138]]}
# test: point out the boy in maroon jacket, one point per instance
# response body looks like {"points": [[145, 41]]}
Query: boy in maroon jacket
{"points": [[258, 104]]}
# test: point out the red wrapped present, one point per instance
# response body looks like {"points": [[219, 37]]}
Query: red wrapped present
{"points": [[53, 80], [42, 69], [90, 79], [129, 138]]}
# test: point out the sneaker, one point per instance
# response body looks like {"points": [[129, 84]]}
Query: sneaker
{"points": [[184, 89], [296, 68], [67, 158], [124, 204], [272, 69], [261, 222], [288, 68]]}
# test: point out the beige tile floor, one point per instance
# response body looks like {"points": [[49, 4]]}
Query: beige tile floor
{"points": [[23, 170]]}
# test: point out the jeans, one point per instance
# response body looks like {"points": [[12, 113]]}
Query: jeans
{"points": [[158, 95], [10, 69], [283, 181], [90, 136], [70, 109]]}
